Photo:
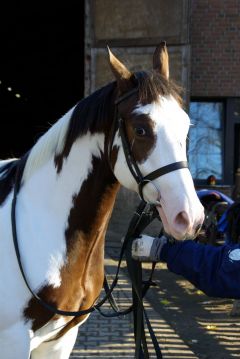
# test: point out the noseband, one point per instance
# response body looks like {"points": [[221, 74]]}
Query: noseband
{"points": [[131, 162]]}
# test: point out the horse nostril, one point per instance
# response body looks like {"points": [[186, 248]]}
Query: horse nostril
{"points": [[182, 218], [182, 221]]}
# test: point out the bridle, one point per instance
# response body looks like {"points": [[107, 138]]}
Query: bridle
{"points": [[129, 156]]}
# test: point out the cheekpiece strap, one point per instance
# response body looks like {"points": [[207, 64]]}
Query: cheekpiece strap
{"points": [[126, 95]]}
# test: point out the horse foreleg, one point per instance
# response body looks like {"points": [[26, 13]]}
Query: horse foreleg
{"points": [[57, 349], [15, 342]]}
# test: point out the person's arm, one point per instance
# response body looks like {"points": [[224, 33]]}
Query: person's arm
{"points": [[214, 270]]}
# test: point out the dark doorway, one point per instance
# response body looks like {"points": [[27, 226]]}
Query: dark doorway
{"points": [[41, 68]]}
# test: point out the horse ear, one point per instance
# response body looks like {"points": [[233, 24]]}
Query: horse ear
{"points": [[160, 60], [123, 76]]}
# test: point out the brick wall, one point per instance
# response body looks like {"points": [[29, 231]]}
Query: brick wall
{"points": [[215, 40]]}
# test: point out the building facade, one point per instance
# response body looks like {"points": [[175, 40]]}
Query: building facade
{"points": [[204, 47], [132, 29], [214, 89]]}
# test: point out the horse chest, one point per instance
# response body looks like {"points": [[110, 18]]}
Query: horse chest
{"points": [[80, 284], [82, 279]]}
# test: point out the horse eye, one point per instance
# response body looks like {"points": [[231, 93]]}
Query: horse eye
{"points": [[140, 131]]}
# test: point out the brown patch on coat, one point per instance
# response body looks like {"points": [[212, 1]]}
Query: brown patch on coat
{"points": [[82, 275], [140, 146]]}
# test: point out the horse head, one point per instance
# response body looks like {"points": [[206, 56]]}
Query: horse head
{"points": [[151, 134]]}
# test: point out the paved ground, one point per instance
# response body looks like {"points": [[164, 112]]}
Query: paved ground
{"points": [[188, 324]]}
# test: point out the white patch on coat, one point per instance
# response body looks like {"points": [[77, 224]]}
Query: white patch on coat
{"points": [[57, 349], [15, 341], [49, 330]]}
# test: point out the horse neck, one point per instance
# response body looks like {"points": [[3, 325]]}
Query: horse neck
{"points": [[82, 194], [92, 204], [66, 228]]}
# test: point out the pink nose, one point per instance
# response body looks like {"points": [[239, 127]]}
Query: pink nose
{"points": [[181, 223], [183, 226]]}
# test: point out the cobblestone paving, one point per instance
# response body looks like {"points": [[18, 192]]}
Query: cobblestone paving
{"points": [[113, 337]]}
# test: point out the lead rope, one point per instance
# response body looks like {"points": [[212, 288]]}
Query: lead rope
{"points": [[139, 313], [138, 293], [139, 221]]}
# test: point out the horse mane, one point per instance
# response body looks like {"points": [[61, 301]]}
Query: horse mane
{"points": [[90, 114]]}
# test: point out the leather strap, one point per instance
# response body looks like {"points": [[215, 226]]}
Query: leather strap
{"points": [[166, 169], [126, 95]]}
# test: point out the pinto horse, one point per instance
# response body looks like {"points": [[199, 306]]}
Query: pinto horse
{"points": [[66, 194]]}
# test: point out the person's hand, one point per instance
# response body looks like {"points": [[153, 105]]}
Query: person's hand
{"points": [[148, 249]]}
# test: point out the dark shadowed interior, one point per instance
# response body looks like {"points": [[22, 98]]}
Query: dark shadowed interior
{"points": [[41, 68]]}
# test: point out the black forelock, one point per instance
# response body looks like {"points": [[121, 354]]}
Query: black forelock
{"points": [[152, 85]]}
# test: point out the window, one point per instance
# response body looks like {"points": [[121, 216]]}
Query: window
{"points": [[214, 139], [205, 149]]}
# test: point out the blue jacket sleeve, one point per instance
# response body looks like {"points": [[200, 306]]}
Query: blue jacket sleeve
{"points": [[214, 270]]}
